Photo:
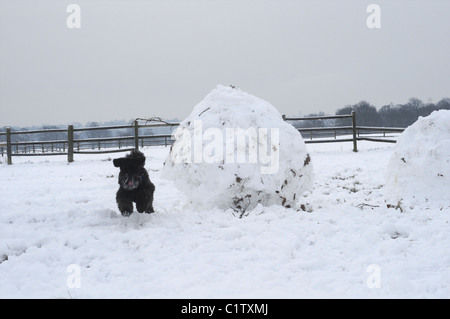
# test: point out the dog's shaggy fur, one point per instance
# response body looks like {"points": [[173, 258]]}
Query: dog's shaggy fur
{"points": [[135, 184]]}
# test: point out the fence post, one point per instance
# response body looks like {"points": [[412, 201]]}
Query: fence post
{"points": [[70, 143], [355, 146], [8, 145], [136, 135]]}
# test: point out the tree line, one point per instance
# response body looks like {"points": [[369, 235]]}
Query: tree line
{"points": [[400, 115]]}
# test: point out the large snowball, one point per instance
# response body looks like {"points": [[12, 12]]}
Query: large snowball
{"points": [[418, 172], [234, 150]]}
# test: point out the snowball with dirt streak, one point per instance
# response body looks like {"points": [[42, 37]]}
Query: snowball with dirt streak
{"points": [[235, 151]]}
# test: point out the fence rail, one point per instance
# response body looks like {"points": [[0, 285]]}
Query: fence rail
{"points": [[335, 129], [102, 145]]}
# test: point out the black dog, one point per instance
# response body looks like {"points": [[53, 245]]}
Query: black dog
{"points": [[135, 184]]}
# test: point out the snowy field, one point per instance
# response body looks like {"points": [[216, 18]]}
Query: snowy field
{"points": [[61, 236]]}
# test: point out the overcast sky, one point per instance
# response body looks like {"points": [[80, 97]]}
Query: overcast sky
{"points": [[161, 57]]}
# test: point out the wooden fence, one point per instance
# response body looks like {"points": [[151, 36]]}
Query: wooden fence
{"points": [[324, 129], [72, 145], [357, 133]]}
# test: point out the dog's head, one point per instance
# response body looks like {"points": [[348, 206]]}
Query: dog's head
{"points": [[132, 171]]}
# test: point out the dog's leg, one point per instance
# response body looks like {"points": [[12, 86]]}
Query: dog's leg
{"points": [[144, 204], [124, 204], [126, 208], [144, 207], [149, 209]]}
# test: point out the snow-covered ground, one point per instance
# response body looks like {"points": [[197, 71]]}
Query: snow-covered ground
{"points": [[61, 236]]}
